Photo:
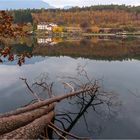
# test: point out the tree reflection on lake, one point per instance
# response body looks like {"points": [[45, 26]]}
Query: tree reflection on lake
{"points": [[99, 48], [115, 60]]}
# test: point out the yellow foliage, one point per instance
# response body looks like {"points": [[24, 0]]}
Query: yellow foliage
{"points": [[57, 39], [57, 29]]}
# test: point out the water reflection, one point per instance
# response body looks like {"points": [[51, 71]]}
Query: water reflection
{"points": [[86, 104], [11, 52], [7, 55], [68, 114], [99, 48], [104, 58]]}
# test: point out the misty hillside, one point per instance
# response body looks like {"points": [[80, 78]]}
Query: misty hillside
{"points": [[23, 4]]}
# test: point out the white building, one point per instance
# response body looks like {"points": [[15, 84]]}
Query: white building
{"points": [[46, 26], [53, 25]]}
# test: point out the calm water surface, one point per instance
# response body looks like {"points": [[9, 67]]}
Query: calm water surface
{"points": [[115, 61]]}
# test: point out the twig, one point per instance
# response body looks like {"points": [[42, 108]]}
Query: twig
{"points": [[55, 130], [46, 86], [32, 92], [69, 134], [60, 123], [69, 85]]}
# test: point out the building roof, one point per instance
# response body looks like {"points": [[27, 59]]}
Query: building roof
{"points": [[46, 23]]}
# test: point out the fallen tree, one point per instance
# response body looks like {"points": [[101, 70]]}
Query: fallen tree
{"points": [[28, 122], [92, 88], [13, 122], [35, 120], [32, 130]]}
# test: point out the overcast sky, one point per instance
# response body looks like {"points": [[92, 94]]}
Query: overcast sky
{"points": [[61, 3]]}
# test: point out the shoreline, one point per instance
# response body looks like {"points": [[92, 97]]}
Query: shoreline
{"points": [[110, 34]]}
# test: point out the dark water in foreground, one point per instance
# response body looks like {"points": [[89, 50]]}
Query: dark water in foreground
{"points": [[115, 61]]}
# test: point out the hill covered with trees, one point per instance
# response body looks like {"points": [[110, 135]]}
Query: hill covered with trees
{"points": [[102, 16]]}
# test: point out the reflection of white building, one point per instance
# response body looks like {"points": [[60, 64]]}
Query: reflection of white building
{"points": [[44, 40], [46, 26]]}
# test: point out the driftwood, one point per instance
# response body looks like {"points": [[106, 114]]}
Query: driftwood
{"points": [[32, 130], [13, 122], [29, 122]]}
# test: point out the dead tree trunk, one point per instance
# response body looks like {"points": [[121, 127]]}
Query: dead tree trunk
{"points": [[32, 130], [28, 122], [49, 101], [13, 122]]}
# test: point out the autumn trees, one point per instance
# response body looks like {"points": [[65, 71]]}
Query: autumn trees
{"points": [[101, 16], [104, 16], [10, 30], [7, 28], [6, 25], [85, 25]]}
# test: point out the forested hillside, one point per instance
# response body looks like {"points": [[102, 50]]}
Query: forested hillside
{"points": [[101, 16]]}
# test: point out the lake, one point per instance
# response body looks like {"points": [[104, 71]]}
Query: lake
{"points": [[113, 61]]}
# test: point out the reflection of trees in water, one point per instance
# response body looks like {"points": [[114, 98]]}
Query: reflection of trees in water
{"points": [[84, 43], [95, 48], [15, 49], [6, 55], [99, 48], [104, 104]]}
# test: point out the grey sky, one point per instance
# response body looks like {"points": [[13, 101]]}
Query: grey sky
{"points": [[61, 3]]}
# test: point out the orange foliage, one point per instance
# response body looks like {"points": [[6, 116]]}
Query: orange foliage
{"points": [[101, 18], [7, 29], [7, 54]]}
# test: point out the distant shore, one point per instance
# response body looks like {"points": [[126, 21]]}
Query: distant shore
{"points": [[64, 34], [110, 34]]}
